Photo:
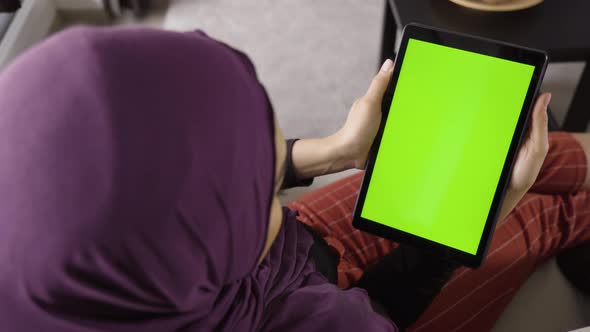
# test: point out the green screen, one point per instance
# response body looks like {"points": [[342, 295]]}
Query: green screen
{"points": [[445, 142]]}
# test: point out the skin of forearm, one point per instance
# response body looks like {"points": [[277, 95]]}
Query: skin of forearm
{"points": [[319, 156]]}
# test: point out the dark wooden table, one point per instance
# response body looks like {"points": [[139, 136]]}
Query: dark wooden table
{"points": [[560, 27]]}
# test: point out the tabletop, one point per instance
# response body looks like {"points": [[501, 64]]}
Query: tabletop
{"points": [[560, 27]]}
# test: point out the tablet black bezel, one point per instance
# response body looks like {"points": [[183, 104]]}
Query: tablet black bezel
{"points": [[485, 46]]}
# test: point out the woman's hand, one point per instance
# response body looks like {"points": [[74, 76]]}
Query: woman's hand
{"points": [[349, 146], [530, 157], [356, 136], [533, 150]]}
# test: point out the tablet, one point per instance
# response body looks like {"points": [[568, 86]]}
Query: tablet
{"points": [[454, 115]]}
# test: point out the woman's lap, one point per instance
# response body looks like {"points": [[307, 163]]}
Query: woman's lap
{"points": [[548, 219]]}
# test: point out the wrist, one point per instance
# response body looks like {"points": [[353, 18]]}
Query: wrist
{"points": [[339, 152], [511, 199], [515, 193], [321, 156]]}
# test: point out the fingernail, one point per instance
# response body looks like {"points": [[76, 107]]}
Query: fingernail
{"points": [[387, 65], [547, 100]]}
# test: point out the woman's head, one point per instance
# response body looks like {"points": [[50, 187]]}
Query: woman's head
{"points": [[139, 175]]}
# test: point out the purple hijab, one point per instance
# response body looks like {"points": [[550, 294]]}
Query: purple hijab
{"points": [[136, 174]]}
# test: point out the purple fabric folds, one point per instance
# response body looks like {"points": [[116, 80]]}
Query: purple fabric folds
{"points": [[136, 174]]}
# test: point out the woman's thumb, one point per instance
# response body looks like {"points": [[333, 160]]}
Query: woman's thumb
{"points": [[380, 82], [539, 124]]}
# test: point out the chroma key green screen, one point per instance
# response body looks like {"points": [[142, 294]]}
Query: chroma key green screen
{"points": [[445, 142]]}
